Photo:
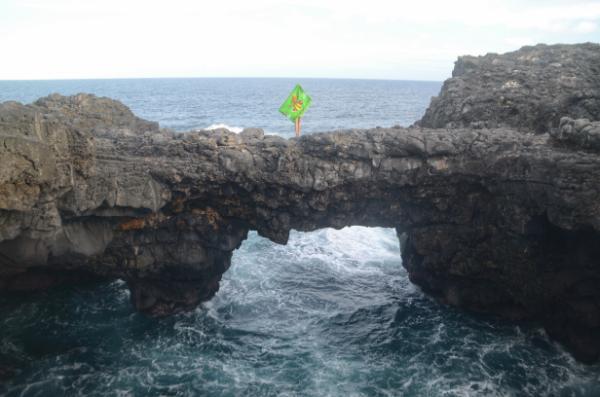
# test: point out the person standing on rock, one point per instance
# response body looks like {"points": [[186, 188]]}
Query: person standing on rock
{"points": [[295, 105]]}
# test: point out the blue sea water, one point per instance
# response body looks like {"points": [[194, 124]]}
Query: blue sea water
{"points": [[331, 313], [185, 104]]}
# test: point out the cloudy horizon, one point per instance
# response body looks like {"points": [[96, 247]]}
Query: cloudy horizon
{"points": [[66, 39]]}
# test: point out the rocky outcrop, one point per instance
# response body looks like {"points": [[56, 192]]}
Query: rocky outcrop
{"points": [[492, 220], [529, 89], [580, 133]]}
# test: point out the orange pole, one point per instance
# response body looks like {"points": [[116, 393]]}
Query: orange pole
{"points": [[298, 126]]}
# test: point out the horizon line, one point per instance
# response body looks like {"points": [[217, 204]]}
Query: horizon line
{"points": [[222, 77]]}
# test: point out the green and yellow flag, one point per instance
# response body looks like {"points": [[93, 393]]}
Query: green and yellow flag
{"points": [[296, 104]]}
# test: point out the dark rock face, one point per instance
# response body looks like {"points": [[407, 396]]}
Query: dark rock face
{"points": [[580, 133], [492, 220], [529, 89]]}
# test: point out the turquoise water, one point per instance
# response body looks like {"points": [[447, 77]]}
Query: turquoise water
{"points": [[331, 313]]}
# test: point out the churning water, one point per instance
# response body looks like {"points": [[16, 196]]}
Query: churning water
{"points": [[332, 313]]}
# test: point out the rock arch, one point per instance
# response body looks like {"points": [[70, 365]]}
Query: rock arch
{"points": [[493, 220]]}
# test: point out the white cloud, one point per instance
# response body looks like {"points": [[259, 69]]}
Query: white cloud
{"points": [[519, 41], [586, 27], [329, 38]]}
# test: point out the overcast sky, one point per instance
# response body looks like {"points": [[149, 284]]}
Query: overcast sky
{"points": [[416, 40]]}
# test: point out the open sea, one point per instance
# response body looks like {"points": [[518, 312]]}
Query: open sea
{"points": [[331, 313]]}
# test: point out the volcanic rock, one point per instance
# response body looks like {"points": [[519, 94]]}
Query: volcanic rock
{"points": [[495, 220], [529, 89]]}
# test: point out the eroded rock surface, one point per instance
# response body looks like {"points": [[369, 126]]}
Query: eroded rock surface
{"points": [[529, 89], [580, 133], [498, 221]]}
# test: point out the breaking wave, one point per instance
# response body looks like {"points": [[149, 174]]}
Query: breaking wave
{"points": [[217, 126], [332, 313]]}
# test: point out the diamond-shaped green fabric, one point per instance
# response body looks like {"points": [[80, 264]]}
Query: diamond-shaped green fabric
{"points": [[296, 104]]}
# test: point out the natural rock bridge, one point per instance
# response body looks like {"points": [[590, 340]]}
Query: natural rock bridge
{"points": [[493, 220]]}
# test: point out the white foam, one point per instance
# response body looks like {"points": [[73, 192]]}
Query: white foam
{"points": [[217, 126], [354, 249], [235, 130]]}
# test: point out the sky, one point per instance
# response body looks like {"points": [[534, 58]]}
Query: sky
{"points": [[372, 39]]}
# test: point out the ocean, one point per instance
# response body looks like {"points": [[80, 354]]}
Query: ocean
{"points": [[332, 313]]}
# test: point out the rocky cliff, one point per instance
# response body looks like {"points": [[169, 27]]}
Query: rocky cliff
{"points": [[529, 89], [493, 220]]}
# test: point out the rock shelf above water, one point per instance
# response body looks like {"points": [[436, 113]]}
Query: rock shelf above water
{"points": [[501, 220]]}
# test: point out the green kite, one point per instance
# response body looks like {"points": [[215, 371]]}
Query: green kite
{"points": [[296, 104]]}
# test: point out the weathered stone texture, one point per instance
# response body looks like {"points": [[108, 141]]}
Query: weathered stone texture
{"points": [[499, 220], [529, 89]]}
